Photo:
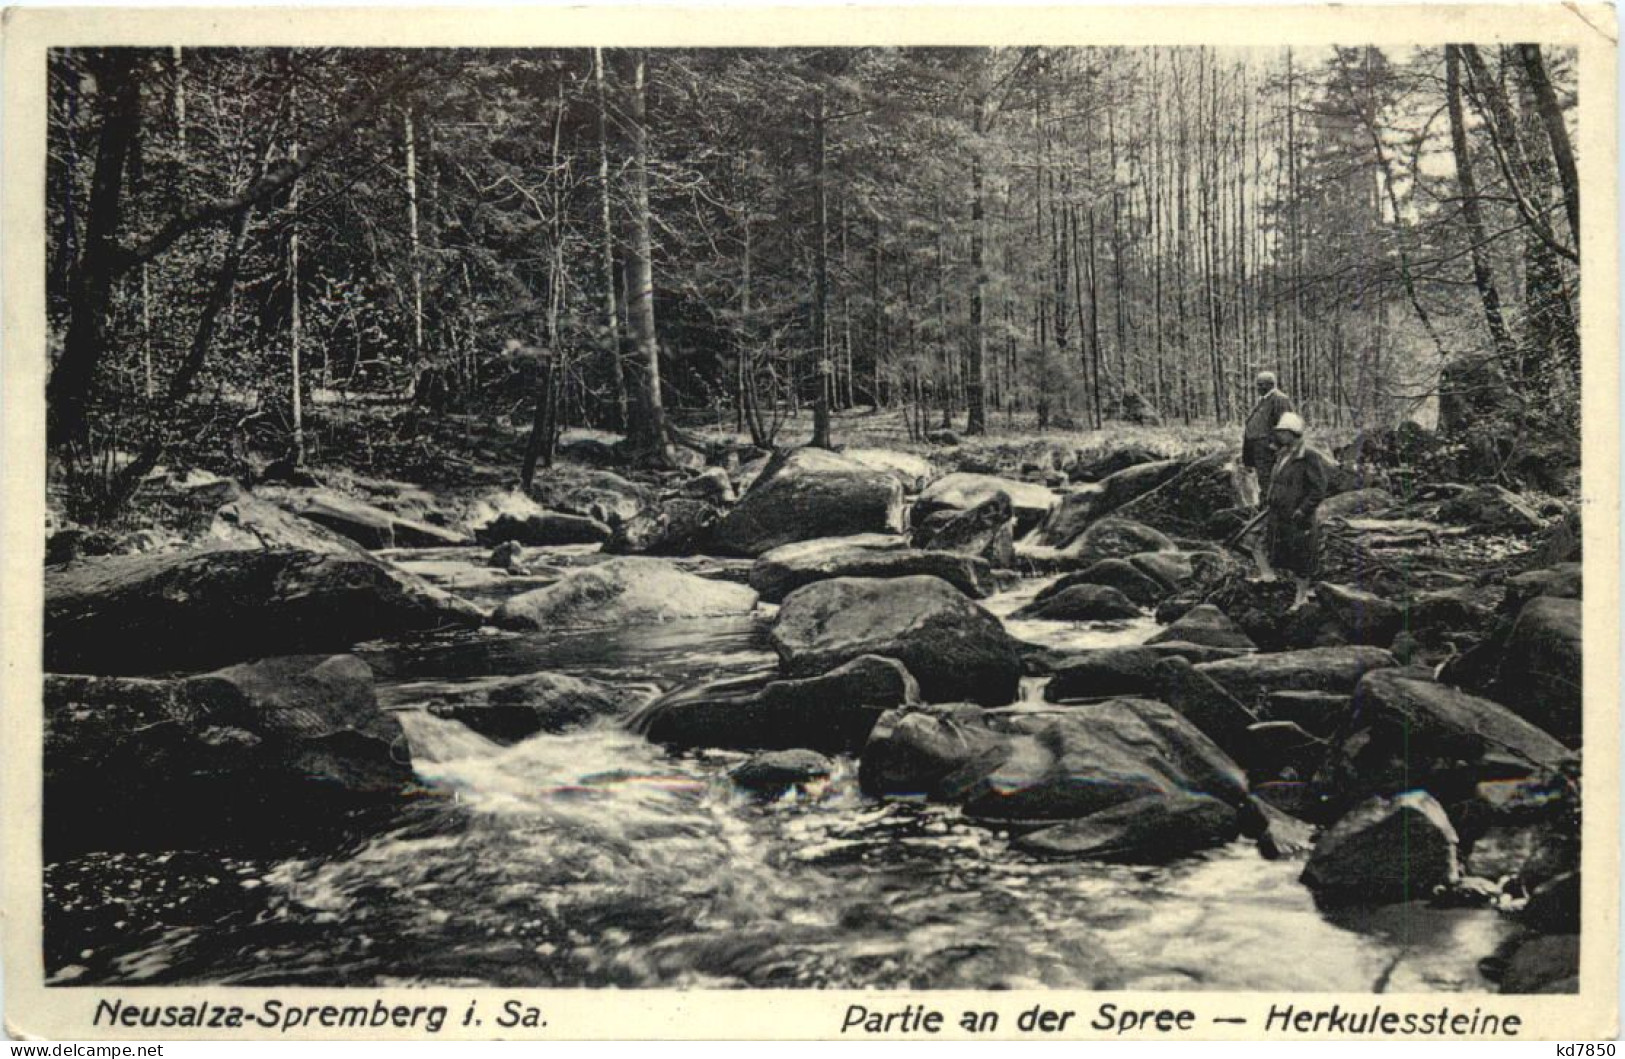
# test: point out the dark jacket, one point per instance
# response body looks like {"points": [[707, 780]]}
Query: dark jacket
{"points": [[1300, 481], [1257, 437]]}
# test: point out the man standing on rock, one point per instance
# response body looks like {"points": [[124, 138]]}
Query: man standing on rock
{"points": [[1299, 481], [1258, 446]]}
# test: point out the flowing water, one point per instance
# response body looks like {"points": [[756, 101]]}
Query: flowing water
{"points": [[595, 858]]}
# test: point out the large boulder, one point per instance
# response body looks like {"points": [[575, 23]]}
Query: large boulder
{"points": [[912, 472], [289, 746], [678, 526], [246, 521], [596, 494], [1106, 672], [774, 771], [1207, 625], [1542, 666], [1070, 517], [1252, 678], [808, 494], [1081, 603], [193, 609], [962, 491], [627, 591], [1120, 574], [1093, 470], [983, 530], [1563, 581], [832, 713], [710, 486], [954, 648], [370, 526], [1362, 617], [545, 530], [1117, 538], [1154, 829], [1205, 703], [1356, 503], [517, 708], [1408, 731], [1059, 767], [784, 569], [1491, 509], [1383, 851], [1185, 501], [1461, 614]]}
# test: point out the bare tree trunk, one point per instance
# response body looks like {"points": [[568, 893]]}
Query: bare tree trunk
{"points": [[295, 329], [1483, 278], [416, 262], [975, 398], [648, 432], [612, 313], [68, 393], [1557, 132], [821, 432]]}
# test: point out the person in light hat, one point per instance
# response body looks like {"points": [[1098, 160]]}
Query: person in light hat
{"points": [[1299, 481]]}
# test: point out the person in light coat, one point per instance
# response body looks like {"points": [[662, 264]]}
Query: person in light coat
{"points": [[1299, 481]]}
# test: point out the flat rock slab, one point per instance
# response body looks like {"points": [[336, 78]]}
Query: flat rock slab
{"points": [[624, 591], [785, 569], [196, 609]]}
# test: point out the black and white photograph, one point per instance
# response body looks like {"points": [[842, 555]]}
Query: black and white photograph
{"points": [[882, 517]]}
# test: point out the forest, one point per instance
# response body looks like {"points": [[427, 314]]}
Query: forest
{"points": [[772, 518], [243, 243]]}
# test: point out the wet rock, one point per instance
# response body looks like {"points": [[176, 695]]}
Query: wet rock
{"points": [[1151, 830], [1116, 538], [679, 526], [1110, 672], [284, 746], [1081, 603], [809, 494], [778, 770], [198, 608], [1252, 678], [1113, 573], [1543, 963], [1054, 767], [1554, 905], [913, 473], [983, 531], [1205, 703], [942, 437], [596, 494], [954, 648], [785, 569], [1410, 732], [1492, 509], [1263, 610], [710, 486], [1206, 625], [514, 710], [1362, 617], [543, 531], [628, 591], [962, 491], [1385, 850], [509, 556]]}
